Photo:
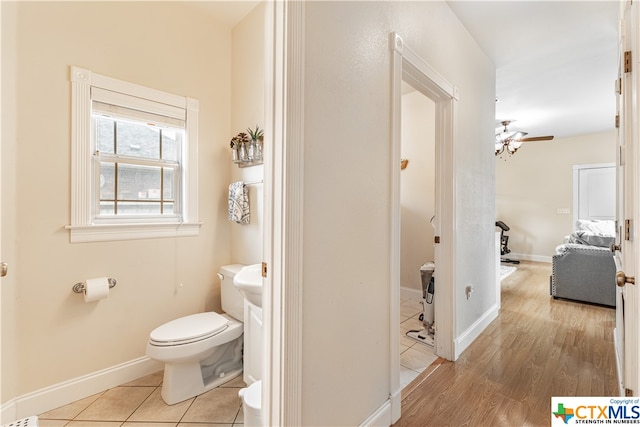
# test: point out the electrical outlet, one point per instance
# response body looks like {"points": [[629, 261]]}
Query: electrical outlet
{"points": [[563, 211]]}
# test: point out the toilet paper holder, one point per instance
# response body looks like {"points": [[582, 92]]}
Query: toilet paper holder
{"points": [[80, 287]]}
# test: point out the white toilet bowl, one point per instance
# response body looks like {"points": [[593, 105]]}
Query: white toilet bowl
{"points": [[201, 351], [252, 404]]}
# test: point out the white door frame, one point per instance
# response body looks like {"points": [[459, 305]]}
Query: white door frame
{"points": [[283, 186], [632, 315], [408, 66], [627, 343]]}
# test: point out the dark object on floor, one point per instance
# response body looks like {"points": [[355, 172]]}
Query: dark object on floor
{"points": [[504, 249]]}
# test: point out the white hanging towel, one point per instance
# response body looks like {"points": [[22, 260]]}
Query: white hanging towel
{"points": [[238, 203]]}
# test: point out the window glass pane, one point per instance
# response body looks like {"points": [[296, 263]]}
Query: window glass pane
{"points": [[104, 134], [171, 141], [168, 184], [138, 139], [138, 182], [107, 181], [167, 208], [138, 208]]}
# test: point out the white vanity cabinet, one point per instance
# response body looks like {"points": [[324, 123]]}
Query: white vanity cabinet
{"points": [[252, 343]]}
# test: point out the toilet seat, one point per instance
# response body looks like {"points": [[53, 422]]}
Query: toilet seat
{"points": [[189, 329]]}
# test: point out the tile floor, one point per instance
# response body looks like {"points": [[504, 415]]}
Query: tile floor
{"points": [[415, 357], [139, 404]]}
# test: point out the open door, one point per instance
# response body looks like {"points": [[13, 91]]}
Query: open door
{"points": [[627, 256]]}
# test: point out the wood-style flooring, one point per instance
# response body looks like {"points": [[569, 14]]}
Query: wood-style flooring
{"points": [[537, 348]]}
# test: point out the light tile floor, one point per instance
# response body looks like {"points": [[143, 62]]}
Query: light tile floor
{"points": [[415, 357], [139, 404]]}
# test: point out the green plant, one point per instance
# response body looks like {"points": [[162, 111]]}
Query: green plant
{"points": [[239, 139], [256, 133]]}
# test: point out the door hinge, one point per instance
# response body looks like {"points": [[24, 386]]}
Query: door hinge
{"points": [[436, 239], [264, 269], [627, 62], [617, 121], [628, 392], [618, 86], [627, 229]]}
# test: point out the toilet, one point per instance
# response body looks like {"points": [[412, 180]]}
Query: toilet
{"points": [[204, 350]]}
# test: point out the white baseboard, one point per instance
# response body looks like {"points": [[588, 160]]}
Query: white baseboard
{"points": [[464, 340], [381, 416], [396, 405], [61, 394], [528, 257], [8, 412]]}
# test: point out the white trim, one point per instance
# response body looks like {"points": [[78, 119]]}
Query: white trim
{"points": [[380, 417], [284, 199], [395, 231], [271, 377], [66, 392], [80, 152], [576, 186], [467, 337], [111, 232], [445, 253], [82, 82], [439, 82]]}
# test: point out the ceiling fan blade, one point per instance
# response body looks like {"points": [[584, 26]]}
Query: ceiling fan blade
{"points": [[537, 138]]}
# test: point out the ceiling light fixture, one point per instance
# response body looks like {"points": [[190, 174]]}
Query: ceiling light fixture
{"points": [[509, 141]]}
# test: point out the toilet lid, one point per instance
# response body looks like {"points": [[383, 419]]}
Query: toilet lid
{"points": [[190, 328]]}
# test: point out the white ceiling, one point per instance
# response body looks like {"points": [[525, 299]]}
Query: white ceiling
{"points": [[556, 61]]}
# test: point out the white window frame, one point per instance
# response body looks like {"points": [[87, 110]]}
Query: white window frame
{"points": [[83, 228]]}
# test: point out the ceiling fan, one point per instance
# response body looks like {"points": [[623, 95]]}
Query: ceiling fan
{"points": [[511, 141]]}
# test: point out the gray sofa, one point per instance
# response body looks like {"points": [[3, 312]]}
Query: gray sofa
{"points": [[583, 268]]}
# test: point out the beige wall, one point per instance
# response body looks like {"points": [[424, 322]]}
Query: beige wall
{"points": [[57, 336], [247, 110], [417, 192], [347, 191], [8, 294], [538, 180]]}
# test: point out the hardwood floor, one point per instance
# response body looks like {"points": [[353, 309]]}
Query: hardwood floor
{"points": [[537, 348]]}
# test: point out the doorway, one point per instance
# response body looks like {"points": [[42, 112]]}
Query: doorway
{"points": [[417, 207], [408, 67]]}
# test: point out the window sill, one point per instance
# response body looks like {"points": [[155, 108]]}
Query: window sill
{"points": [[110, 232]]}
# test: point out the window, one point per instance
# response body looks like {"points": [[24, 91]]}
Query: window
{"points": [[134, 165]]}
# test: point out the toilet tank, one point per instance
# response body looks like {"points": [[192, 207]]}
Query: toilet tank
{"points": [[232, 299]]}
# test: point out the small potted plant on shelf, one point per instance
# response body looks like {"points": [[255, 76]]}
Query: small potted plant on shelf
{"points": [[239, 147], [255, 148]]}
